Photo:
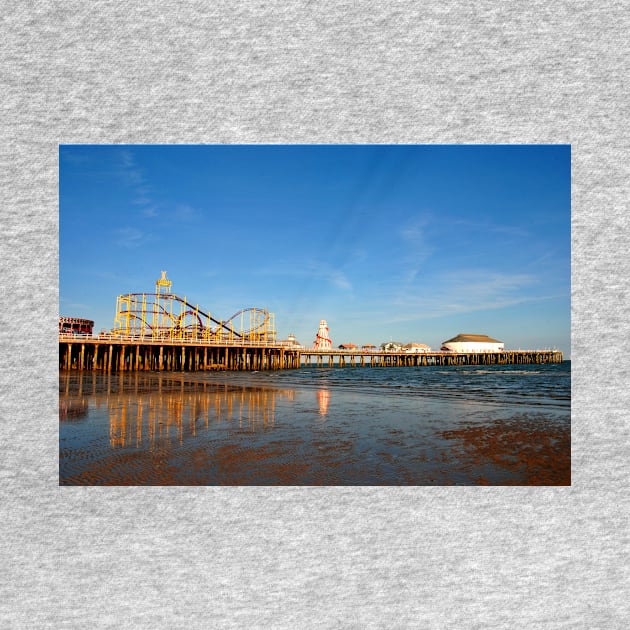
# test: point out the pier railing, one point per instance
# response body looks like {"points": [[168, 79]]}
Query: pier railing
{"points": [[253, 343], [158, 340]]}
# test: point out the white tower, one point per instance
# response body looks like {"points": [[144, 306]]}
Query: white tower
{"points": [[322, 340]]}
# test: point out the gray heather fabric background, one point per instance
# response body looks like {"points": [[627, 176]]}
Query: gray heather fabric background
{"points": [[325, 72]]}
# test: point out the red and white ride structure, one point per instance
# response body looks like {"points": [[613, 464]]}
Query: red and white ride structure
{"points": [[322, 340]]}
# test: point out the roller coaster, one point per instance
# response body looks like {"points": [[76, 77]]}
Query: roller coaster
{"points": [[164, 315]]}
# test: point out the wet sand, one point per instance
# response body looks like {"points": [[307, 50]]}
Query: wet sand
{"points": [[158, 430], [530, 452]]}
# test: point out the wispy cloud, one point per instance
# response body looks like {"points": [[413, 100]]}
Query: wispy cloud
{"points": [[487, 227], [129, 170], [135, 177], [468, 291], [143, 195], [184, 212], [325, 273], [130, 237], [416, 246], [75, 157], [313, 271], [484, 283], [338, 279], [150, 212], [414, 231]]}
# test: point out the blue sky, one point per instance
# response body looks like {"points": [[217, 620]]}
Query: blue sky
{"points": [[405, 243]]}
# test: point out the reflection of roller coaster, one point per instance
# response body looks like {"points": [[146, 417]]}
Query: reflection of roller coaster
{"points": [[164, 315]]}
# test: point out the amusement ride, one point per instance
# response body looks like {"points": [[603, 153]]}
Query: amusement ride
{"points": [[165, 315]]}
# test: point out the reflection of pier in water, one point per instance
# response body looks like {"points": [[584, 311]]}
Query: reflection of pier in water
{"points": [[323, 399], [156, 411], [72, 409]]}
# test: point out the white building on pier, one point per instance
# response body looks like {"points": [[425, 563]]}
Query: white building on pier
{"points": [[473, 343]]}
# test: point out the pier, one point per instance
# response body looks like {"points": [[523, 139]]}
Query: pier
{"points": [[162, 331], [382, 358], [117, 353]]}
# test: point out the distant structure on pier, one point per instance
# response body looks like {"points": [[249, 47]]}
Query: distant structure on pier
{"points": [[473, 343], [291, 342], [323, 340], [75, 326], [397, 346]]}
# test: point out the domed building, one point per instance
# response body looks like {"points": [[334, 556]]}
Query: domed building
{"points": [[291, 342], [472, 343]]}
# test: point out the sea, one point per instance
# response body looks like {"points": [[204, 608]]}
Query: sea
{"points": [[318, 426]]}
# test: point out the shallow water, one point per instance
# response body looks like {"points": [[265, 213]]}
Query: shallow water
{"points": [[318, 426]]}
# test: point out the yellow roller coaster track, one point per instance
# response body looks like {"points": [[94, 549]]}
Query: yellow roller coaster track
{"points": [[164, 315]]}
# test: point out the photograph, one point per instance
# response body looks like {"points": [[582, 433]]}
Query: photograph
{"points": [[341, 292], [315, 315]]}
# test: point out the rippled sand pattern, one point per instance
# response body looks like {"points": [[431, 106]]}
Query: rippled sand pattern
{"points": [[186, 430], [528, 451]]}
